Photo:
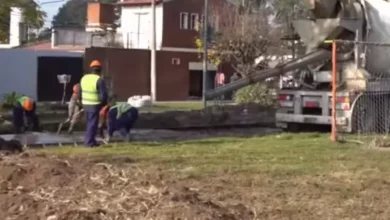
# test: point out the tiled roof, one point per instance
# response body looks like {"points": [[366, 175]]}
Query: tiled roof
{"points": [[46, 45], [146, 2], [138, 2]]}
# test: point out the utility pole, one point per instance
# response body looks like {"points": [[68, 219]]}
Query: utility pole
{"points": [[153, 77], [205, 54]]}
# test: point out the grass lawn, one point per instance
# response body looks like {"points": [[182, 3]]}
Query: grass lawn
{"points": [[292, 154], [179, 106], [286, 176], [184, 106]]}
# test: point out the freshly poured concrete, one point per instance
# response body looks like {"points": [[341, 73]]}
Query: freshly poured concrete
{"points": [[50, 139], [39, 138]]}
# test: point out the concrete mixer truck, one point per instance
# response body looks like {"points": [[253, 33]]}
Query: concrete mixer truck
{"points": [[363, 67]]}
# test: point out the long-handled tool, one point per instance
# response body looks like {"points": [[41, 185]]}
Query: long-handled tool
{"points": [[68, 120]]}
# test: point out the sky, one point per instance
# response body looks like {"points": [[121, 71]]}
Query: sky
{"points": [[51, 9]]}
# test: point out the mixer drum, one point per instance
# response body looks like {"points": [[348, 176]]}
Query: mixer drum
{"points": [[378, 56]]}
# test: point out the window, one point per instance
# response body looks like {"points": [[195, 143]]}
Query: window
{"points": [[202, 18], [184, 21], [175, 61], [194, 22], [214, 21]]}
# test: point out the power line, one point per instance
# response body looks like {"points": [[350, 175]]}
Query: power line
{"points": [[51, 2]]}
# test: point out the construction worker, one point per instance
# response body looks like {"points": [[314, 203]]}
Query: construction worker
{"points": [[120, 117], [93, 97], [25, 106], [74, 107]]}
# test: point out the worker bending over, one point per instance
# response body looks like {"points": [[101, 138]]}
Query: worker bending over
{"points": [[74, 108], [93, 98], [120, 117], [25, 106]]}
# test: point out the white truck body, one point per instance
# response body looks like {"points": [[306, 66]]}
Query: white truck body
{"points": [[297, 106]]}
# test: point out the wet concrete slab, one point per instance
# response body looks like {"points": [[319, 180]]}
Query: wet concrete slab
{"points": [[36, 139], [39, 138]]}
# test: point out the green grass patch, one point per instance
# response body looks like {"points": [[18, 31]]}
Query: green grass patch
{"points": [[177, 106], [285, 154]]}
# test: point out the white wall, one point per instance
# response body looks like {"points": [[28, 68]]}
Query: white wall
{"points": [[136, 26], [17, 30], [19, 68]]}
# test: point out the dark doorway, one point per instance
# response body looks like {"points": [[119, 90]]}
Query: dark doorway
{"points": [[195, 88], [49, 89], [196, 83]]}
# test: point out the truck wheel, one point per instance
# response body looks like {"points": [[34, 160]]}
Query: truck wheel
{"points": [[368, 115], [360, 119]]}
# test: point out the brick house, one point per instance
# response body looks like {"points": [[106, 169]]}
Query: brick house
{"points": [[178, 60], [176, 22]]}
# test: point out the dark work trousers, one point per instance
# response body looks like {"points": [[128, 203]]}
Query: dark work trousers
{"points": [[124, 123], [92, 119], [18, 118]]}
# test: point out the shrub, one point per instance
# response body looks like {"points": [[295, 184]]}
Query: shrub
{"points": [[261, 93], [10, 99]]}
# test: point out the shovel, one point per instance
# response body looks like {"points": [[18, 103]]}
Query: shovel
{"points": [[68, 120]]}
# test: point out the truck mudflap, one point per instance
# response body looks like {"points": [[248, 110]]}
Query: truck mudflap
{"points": [[282, 120]]}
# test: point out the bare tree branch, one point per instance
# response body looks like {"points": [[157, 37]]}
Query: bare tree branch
{"points": [[241, 34]]}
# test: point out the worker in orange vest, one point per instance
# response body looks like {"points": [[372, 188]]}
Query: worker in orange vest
{"points": [[25, 106], [74, 108]]}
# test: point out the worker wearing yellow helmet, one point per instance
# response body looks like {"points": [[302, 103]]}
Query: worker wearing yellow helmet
{"points": [[93, 97], [25, 106]]}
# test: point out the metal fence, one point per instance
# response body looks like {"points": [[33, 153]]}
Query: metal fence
{"points": [[361, 93], [79, 37]]}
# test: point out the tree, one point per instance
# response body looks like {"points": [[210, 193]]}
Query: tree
{"points": [[44, 33], [240, 34], [33, 16], [74, 13], [247, 32], [287, 11]]}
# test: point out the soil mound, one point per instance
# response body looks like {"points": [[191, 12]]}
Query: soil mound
{"points": [[62, 188]]}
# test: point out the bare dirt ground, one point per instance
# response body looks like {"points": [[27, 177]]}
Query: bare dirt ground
{"points": [[50, 187], [284, 176]]}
